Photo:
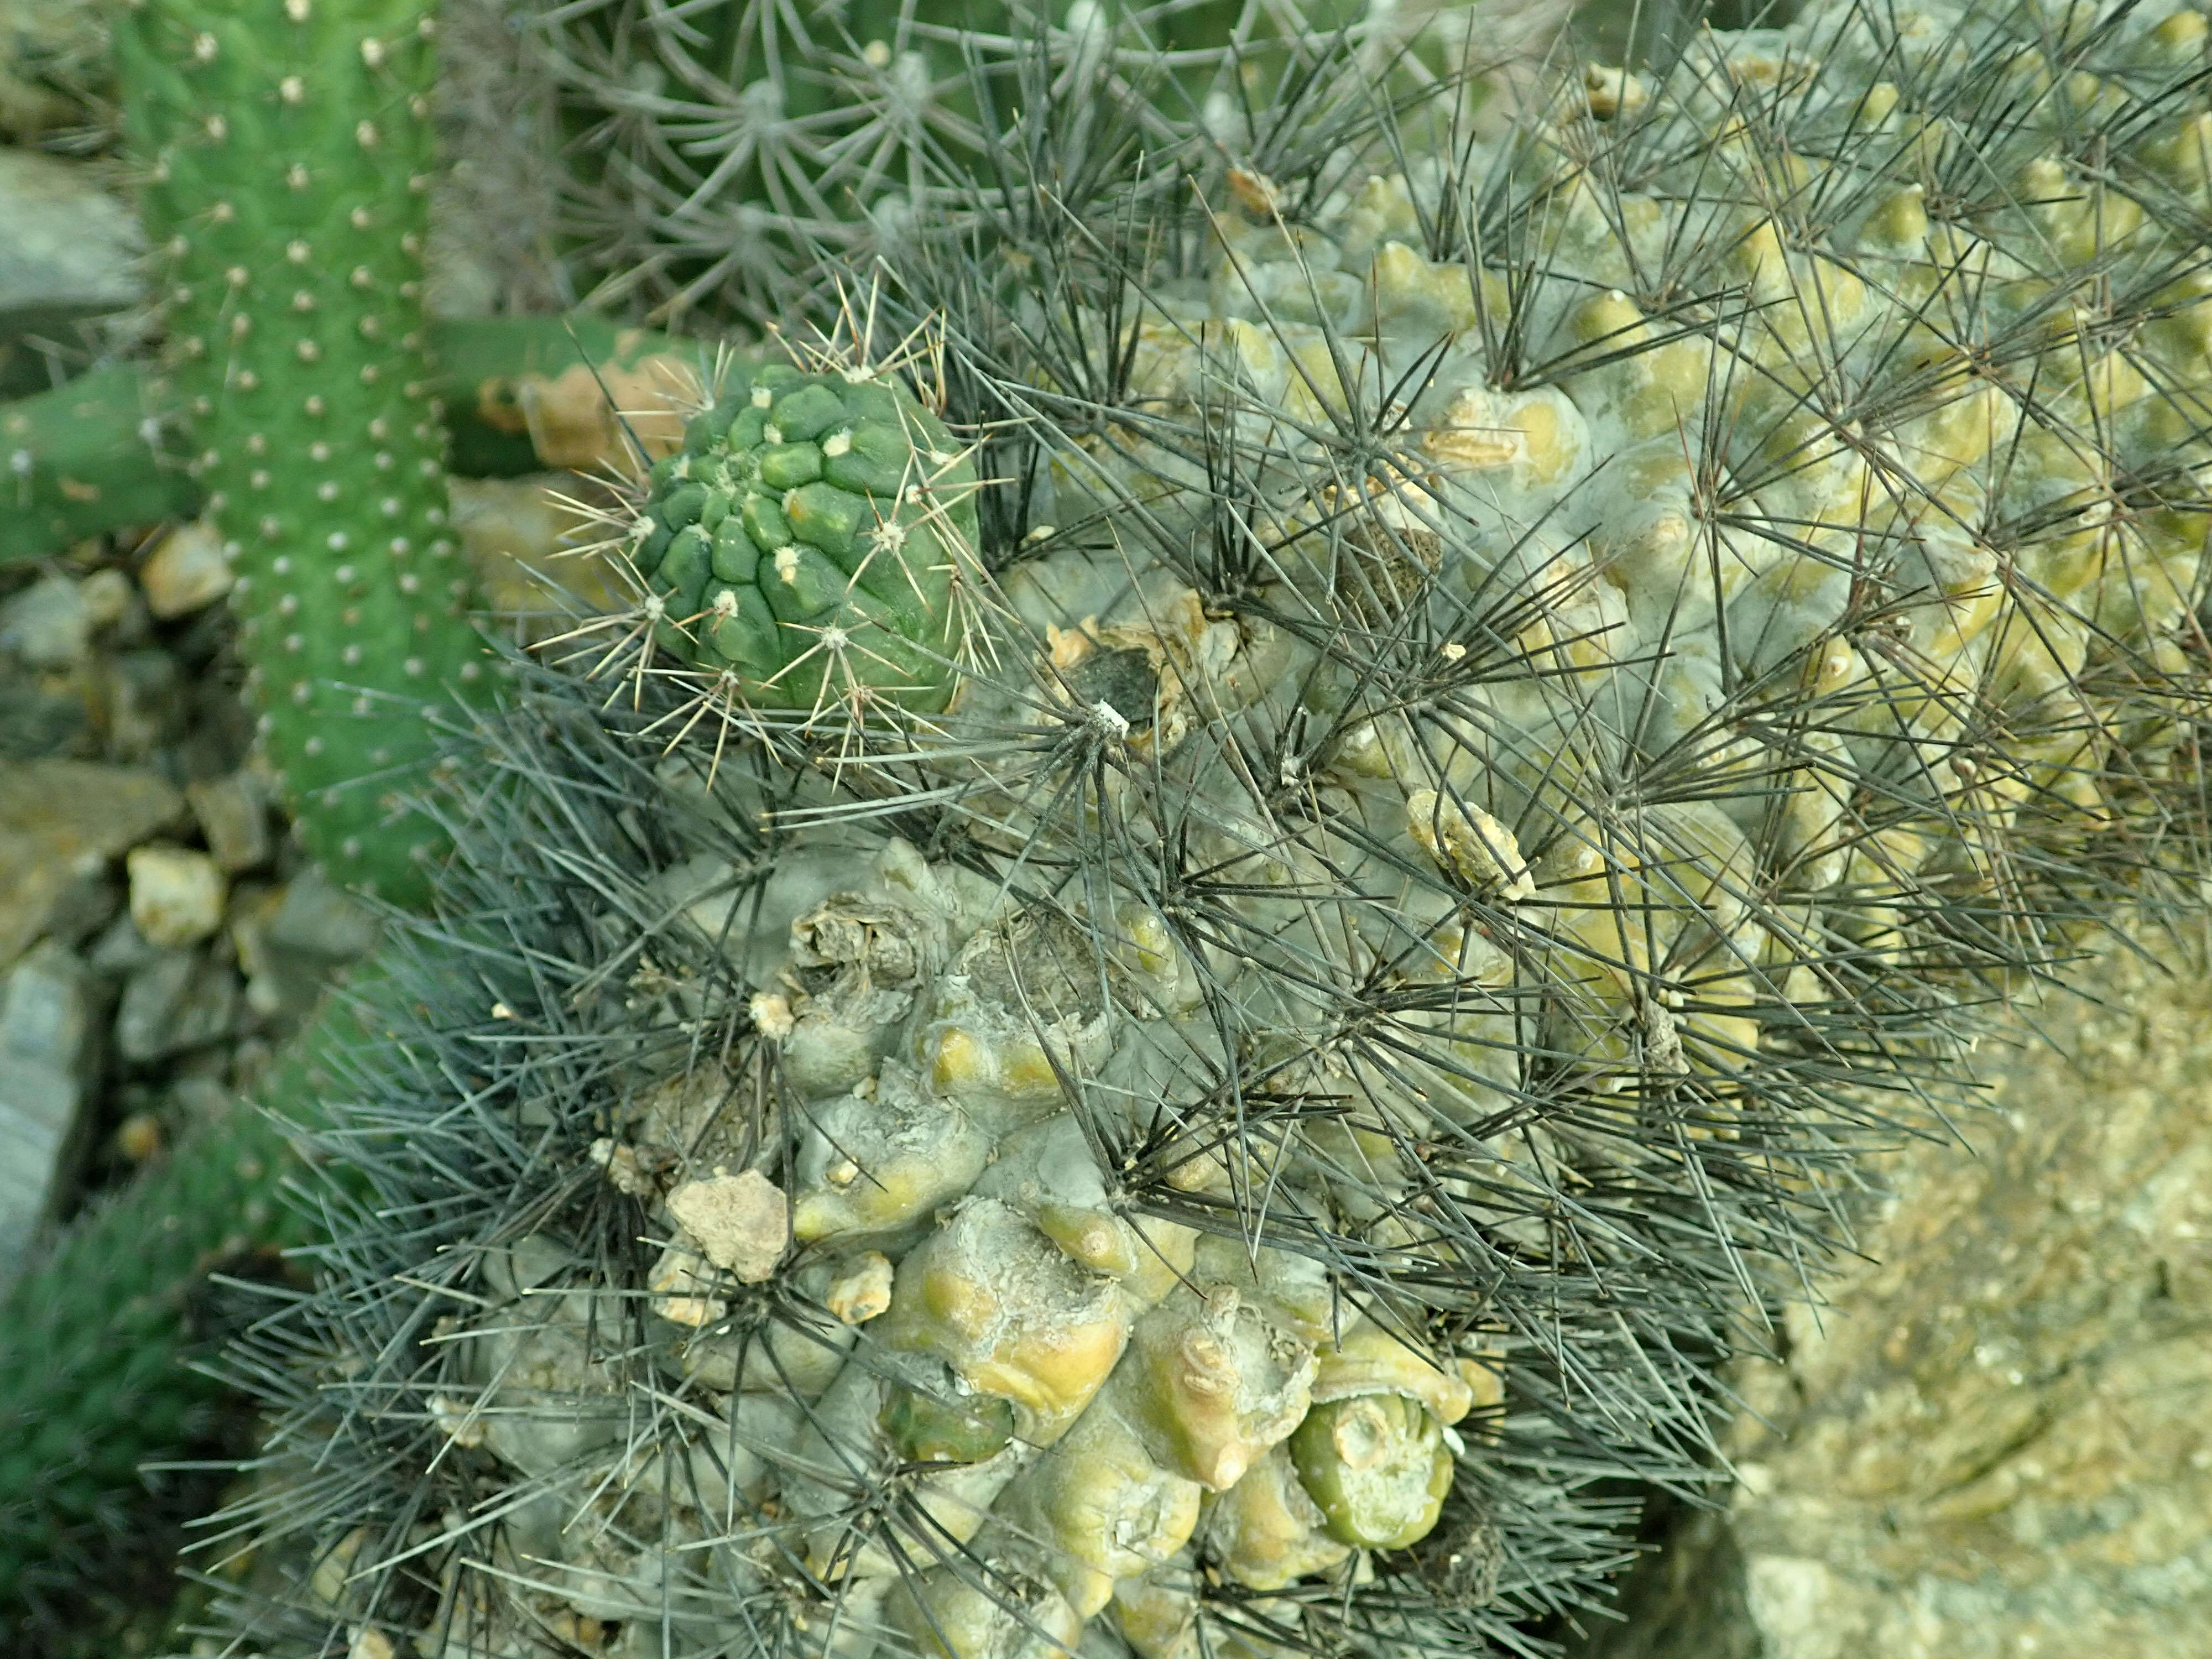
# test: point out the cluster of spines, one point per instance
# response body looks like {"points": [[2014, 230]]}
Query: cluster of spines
{"points": [[288, 152], [784, 145], [1616, 1252]]}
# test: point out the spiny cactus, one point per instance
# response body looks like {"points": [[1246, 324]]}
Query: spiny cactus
{"points": [[92, 1378], [722, 156], [829, 518], [1515, 700], [296, 354], [321, 424]]}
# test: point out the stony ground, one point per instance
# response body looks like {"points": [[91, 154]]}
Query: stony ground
{"points": [[1995, 1440]]}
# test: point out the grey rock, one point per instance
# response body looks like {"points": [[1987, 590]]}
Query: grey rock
{"points": [[50, 1039], [178, 1001], [234, 818], [41, 722], [146, 705], [61, 822], [48, 625], [72, 247], [84, 907], [120, 948], [319, 920], [1997, 1438], [193, 1101]]}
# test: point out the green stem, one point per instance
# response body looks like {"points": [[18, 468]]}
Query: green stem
{"points": [[289, 155], [85, 459], [93, 1338]]}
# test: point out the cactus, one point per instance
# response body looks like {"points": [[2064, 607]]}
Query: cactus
{"points": [[76, 463], [1516, 700], [313, 420], [76, 457], [828, 519], [297, 358], [92, 1382], [723, 159]]}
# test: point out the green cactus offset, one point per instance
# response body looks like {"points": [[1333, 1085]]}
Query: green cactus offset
{"points": [[808, 538]]}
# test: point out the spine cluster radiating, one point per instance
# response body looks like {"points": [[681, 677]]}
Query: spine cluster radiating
{"points": [[1219, 927]]}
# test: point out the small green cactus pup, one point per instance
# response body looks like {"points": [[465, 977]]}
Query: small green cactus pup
{"points": [[287, 154], [809, 539]]}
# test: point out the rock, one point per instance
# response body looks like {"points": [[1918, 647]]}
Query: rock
{"points": [[49, 49], [48, 624], [742, 1222], [106, 596], [43, 721], [122, 949], [177, 895], [520, 536], [1995, 1440], [61, 821], [138, 1137], [319, 919], [192, 1101], [290, 938], [177, 1001], [50, 1036], [185, 572], [84, 907], [71, 248], [145, 704], [234, 818]]}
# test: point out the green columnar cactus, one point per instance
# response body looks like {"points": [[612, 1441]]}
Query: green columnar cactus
{"points": [[1521, 697], [87, 458], [288, 166]]}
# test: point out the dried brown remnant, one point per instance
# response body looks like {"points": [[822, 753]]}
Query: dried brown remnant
{"points": [[585, 417]]}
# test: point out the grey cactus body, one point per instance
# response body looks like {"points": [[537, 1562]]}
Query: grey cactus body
{"points": [[1515, 702]]}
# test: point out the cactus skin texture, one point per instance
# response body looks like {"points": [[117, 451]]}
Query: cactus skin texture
{"points": [[808, 538], [287, 154], [77, 464], [1525, 698], [92, 1376], [77, 461]]}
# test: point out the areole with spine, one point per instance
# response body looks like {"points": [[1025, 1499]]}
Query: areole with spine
{"points": [[1230, 915]]}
